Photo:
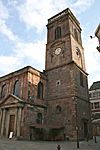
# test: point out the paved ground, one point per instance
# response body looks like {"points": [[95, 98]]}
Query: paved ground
{"points": [[6, 144]]}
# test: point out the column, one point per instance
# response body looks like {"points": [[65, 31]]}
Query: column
{"points": [[3, 122], [19, 121], [16, 118]]}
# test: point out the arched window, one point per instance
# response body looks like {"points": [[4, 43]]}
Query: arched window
{"points": [[39, 118], [57, 33], [3, 91], [40, 90], [16, 90], [58, 109], [81, 79], [76, 34]]}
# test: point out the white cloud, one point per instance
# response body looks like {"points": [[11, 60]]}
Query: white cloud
{"points": [[92, 59], [81, 5], [4, 29], [8, 64], [4, 14], [31, 53], [23, 52], [12, 3], [35, 13], [91, 54]]}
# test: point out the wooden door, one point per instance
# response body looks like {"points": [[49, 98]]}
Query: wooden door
{"points": [[11, 123]]}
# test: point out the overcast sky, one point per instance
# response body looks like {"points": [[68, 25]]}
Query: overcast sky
{"points": [[23, 32]]}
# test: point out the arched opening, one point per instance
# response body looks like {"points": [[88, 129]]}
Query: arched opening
{"points": [[57, 33], [40, 90], [58, 109], [16, 90], [3, 91]]}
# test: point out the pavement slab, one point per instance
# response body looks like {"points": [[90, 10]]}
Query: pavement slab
{"points": [[7, 144]]}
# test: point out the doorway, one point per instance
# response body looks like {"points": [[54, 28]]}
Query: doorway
{"points": [[85, 129], [11, 124]]}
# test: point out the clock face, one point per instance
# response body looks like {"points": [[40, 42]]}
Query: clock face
{"points": [[58, 51]]}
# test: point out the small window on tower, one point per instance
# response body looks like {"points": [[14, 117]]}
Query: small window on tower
{"points": [[39, 118], [57, 33], [58, 109], [58, 83], [81, 79], [76, 34]]}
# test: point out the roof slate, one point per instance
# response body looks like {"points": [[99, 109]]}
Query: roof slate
{"points": [[95, 86]]}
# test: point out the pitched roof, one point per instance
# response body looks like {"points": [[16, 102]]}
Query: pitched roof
{"points": [[95, 86]]}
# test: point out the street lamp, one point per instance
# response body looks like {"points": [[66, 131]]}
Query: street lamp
{"points": [[77, 128], [94, 130], [77, 137], [97, 34]]}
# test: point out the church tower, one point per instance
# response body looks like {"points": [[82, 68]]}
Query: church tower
{"points": [[67, 86]]}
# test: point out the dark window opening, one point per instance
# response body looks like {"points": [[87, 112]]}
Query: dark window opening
{"points": [[29, 90], [57, 33], [91, 105], [96, 105], [76, 34], [3, 91], [16, 90], [29, 94], [81, 79], [40, 90], [97, 115], [39, 118], [90, 95], [58, 109]]}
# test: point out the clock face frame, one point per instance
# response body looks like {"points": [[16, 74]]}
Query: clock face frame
{"points": [[57, 51], [78, 53]]}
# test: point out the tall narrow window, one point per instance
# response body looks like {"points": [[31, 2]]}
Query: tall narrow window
{"points": [[81, 79], [3, 91], [76, 34], [89, 95], [39, 118], [40, 90], [58, 109], [78, 53], [96, 105], [16, 90], [57, 33], [92, 106]]}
